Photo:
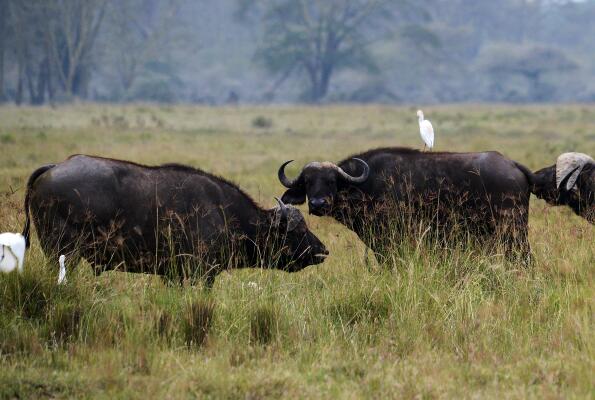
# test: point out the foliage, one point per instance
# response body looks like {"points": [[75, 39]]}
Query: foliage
{"points": [[238, 51], [532, 63], [317, 39], [54, 45], [137, 38]]}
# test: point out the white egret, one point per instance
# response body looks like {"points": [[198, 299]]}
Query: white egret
{"points": [[62, 273], [426, 130], [12, 252]]}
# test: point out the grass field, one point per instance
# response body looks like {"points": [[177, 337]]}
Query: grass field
{"points": [[427, 325]]}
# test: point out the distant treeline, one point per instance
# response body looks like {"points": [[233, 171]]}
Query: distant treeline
{"points": [[242, 51]]}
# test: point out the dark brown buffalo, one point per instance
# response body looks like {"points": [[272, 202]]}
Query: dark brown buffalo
{"points": [[569, 182], [379, 194], [117, 214]]}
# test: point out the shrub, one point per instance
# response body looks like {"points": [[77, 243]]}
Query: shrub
{"points": [[262, 122], [7, 138]]}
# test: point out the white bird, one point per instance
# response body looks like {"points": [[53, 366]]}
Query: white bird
{"points": [[12, 252], [62, 272], [253, 285], [426, 130]]}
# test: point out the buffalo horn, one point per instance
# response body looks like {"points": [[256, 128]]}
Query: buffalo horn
{"points": [[282, 208], [568, 168], [288, 183], [359, 179]]}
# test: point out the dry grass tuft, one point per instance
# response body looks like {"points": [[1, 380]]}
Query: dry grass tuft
{"points": [[264, 324], [197, 322]]}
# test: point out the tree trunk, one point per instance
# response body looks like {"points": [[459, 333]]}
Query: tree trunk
{"points": [[48, 66], [50, 84], [319, 84], [320, 78], [42, 79], [82, 78], [29, 76], [313, 76], [325, 79], [3, 33], [19, 95], [2, 95]]}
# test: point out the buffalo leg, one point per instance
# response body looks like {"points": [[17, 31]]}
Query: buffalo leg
{"points": [[209, 280], [58, 239], [516, 244]]}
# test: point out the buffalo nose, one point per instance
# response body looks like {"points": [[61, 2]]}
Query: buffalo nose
{"points": [[317, 202]]}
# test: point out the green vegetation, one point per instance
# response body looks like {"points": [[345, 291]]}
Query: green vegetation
{"points": [[425, 324]]}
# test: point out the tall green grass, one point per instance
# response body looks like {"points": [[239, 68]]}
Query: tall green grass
{"points": [[424, 322]]}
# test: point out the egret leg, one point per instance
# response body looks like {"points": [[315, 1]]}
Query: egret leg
{"points": [[209, 280]]}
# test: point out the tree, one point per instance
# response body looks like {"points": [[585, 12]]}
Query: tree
{"points": [[71, 30], [317, 38], [3, 35], [23, 23], [53, 45], [531, 63], [139, 32]]}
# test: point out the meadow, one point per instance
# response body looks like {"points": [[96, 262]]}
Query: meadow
{"points": [[426, 324]]}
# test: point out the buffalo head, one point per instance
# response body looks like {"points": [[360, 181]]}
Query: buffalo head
{"points": [[319, 182], [295, 245], [570, 182]]}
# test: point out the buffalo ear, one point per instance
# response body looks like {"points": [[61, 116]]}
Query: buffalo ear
{"points": [[544, 184], [294, 196]]}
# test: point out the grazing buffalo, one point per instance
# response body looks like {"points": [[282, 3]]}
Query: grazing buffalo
{"points": [[571, 182], [382, 193], [118, 214]]}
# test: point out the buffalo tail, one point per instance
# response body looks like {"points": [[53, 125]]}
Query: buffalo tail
{"points": [[36, 174]]}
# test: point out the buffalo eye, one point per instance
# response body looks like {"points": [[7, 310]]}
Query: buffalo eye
{"points": [[329, 182]]}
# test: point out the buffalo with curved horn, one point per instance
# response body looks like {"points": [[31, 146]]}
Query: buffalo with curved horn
{"points": [[569, 182], [318, 204], [379, 194]]}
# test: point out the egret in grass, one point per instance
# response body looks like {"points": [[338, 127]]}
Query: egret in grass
{"points": [[62, 272], [426, 130], [12, 252]]}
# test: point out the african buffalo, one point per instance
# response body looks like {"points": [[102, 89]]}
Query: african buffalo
{"points": [[571, 182], [381, 193], [118, 214]]}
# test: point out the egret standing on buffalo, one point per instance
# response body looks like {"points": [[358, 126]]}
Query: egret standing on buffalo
{"points": [[426, 130]]}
